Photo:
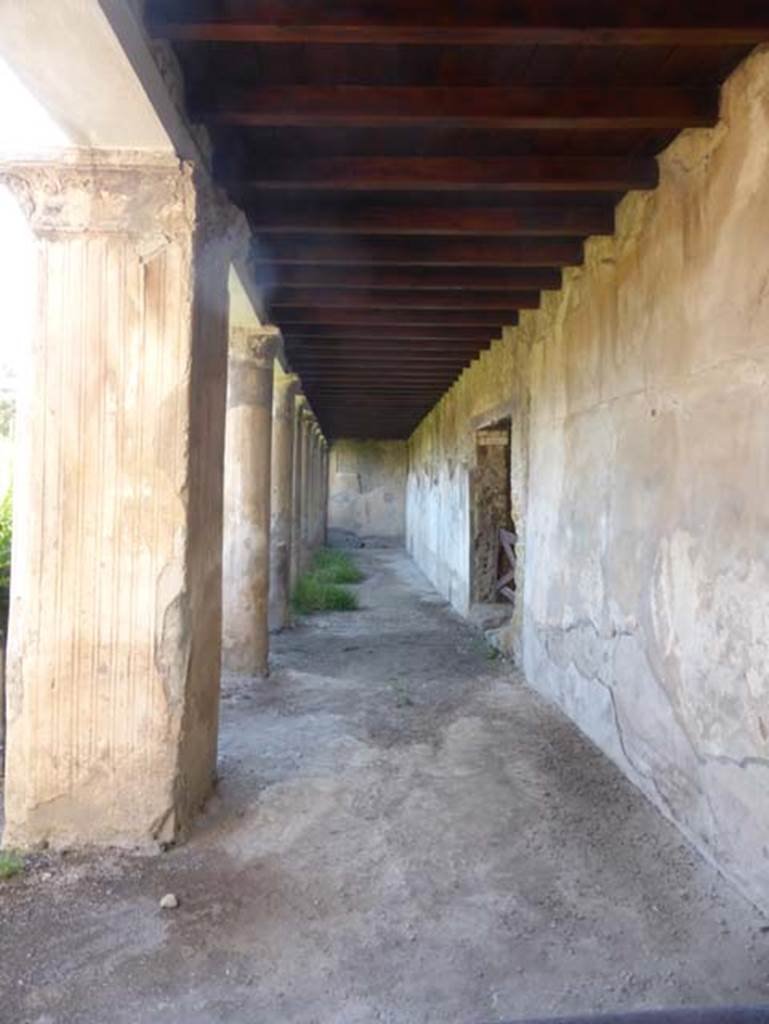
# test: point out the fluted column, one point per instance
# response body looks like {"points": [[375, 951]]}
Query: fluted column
{"points": [[324, 493], [296, 490], [316, 486], [248, 458], [113, 665], [283, 419], [307, 423], [312, 486]]}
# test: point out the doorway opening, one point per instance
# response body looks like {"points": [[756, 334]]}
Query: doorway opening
{"points": [[492, 575]]}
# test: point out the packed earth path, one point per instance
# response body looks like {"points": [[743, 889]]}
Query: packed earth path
{"points": [[402, 832]]}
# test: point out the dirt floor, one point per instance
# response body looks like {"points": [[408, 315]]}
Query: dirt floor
{"points": [[402, 833]]}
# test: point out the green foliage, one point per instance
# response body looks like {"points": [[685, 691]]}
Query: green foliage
{"points": [[11, 864], [320, 589], [333, 566], [314, 594], [6, 534]]}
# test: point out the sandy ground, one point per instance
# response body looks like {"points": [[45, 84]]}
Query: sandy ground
{"points": [[402, 833]]}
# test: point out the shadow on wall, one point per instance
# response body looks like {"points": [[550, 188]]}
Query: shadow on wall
{"points": [[367, 492]]}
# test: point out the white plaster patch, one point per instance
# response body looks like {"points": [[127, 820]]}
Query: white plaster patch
{"points": [[714, 627]]}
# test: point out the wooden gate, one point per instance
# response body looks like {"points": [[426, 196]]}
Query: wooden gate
{"points": [[506, 565]]}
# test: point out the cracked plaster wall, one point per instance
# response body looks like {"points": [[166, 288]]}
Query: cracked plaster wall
{"points": [[639, 397]]}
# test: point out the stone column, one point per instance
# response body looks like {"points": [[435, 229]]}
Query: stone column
{"points": [[324, 493], [248, 456], [283, 419], [312, 482], [113, 662], [308, 420], [296, 490], [316, 486]]}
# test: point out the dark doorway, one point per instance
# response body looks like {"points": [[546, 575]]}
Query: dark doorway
{"points": [[491, 513]]}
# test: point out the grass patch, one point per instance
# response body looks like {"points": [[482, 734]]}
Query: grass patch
{"points": [[322, 589], [315, 595], [333, 566], [11, 864]]}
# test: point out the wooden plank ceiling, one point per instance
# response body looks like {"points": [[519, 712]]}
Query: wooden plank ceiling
{"points": [[417, 171]]}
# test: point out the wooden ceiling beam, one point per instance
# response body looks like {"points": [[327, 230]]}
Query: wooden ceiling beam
{"points": [[399, 384], [364, 357], [402, 350], [370, 384], [421, 401], [344, 349], [442, 334], [517, 107], [410, 357], [419, 252], [543, 173], [359, 298], [393, 380], [375, 376], [581, 220], [488, 319], [363, 410], [364, 406], [446, 352], [420, 278], [483, 22], [383, 366]]}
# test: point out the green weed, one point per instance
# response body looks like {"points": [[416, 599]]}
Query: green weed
{"points": [[312, 594], [11, 864], [322, 588], [333, 566]]}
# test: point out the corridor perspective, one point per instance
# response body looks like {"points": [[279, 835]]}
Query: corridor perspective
{"points": [[384, 540], [402, 832]]}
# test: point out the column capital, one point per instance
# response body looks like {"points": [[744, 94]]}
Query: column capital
{"points": [[152, 198], [104, 193], [288, 384], [254, 346]]}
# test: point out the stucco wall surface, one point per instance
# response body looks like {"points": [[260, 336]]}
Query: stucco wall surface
{"points": [[639, 397], [367, 488]]}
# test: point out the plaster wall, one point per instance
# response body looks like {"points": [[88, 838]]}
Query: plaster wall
{"points": [[639, 398], [367, 488]]}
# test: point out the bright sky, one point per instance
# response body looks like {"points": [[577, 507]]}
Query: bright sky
{"points": [[24, 126]]}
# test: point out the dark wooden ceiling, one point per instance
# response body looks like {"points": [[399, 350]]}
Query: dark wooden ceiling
{"points": [[416, 171]]}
